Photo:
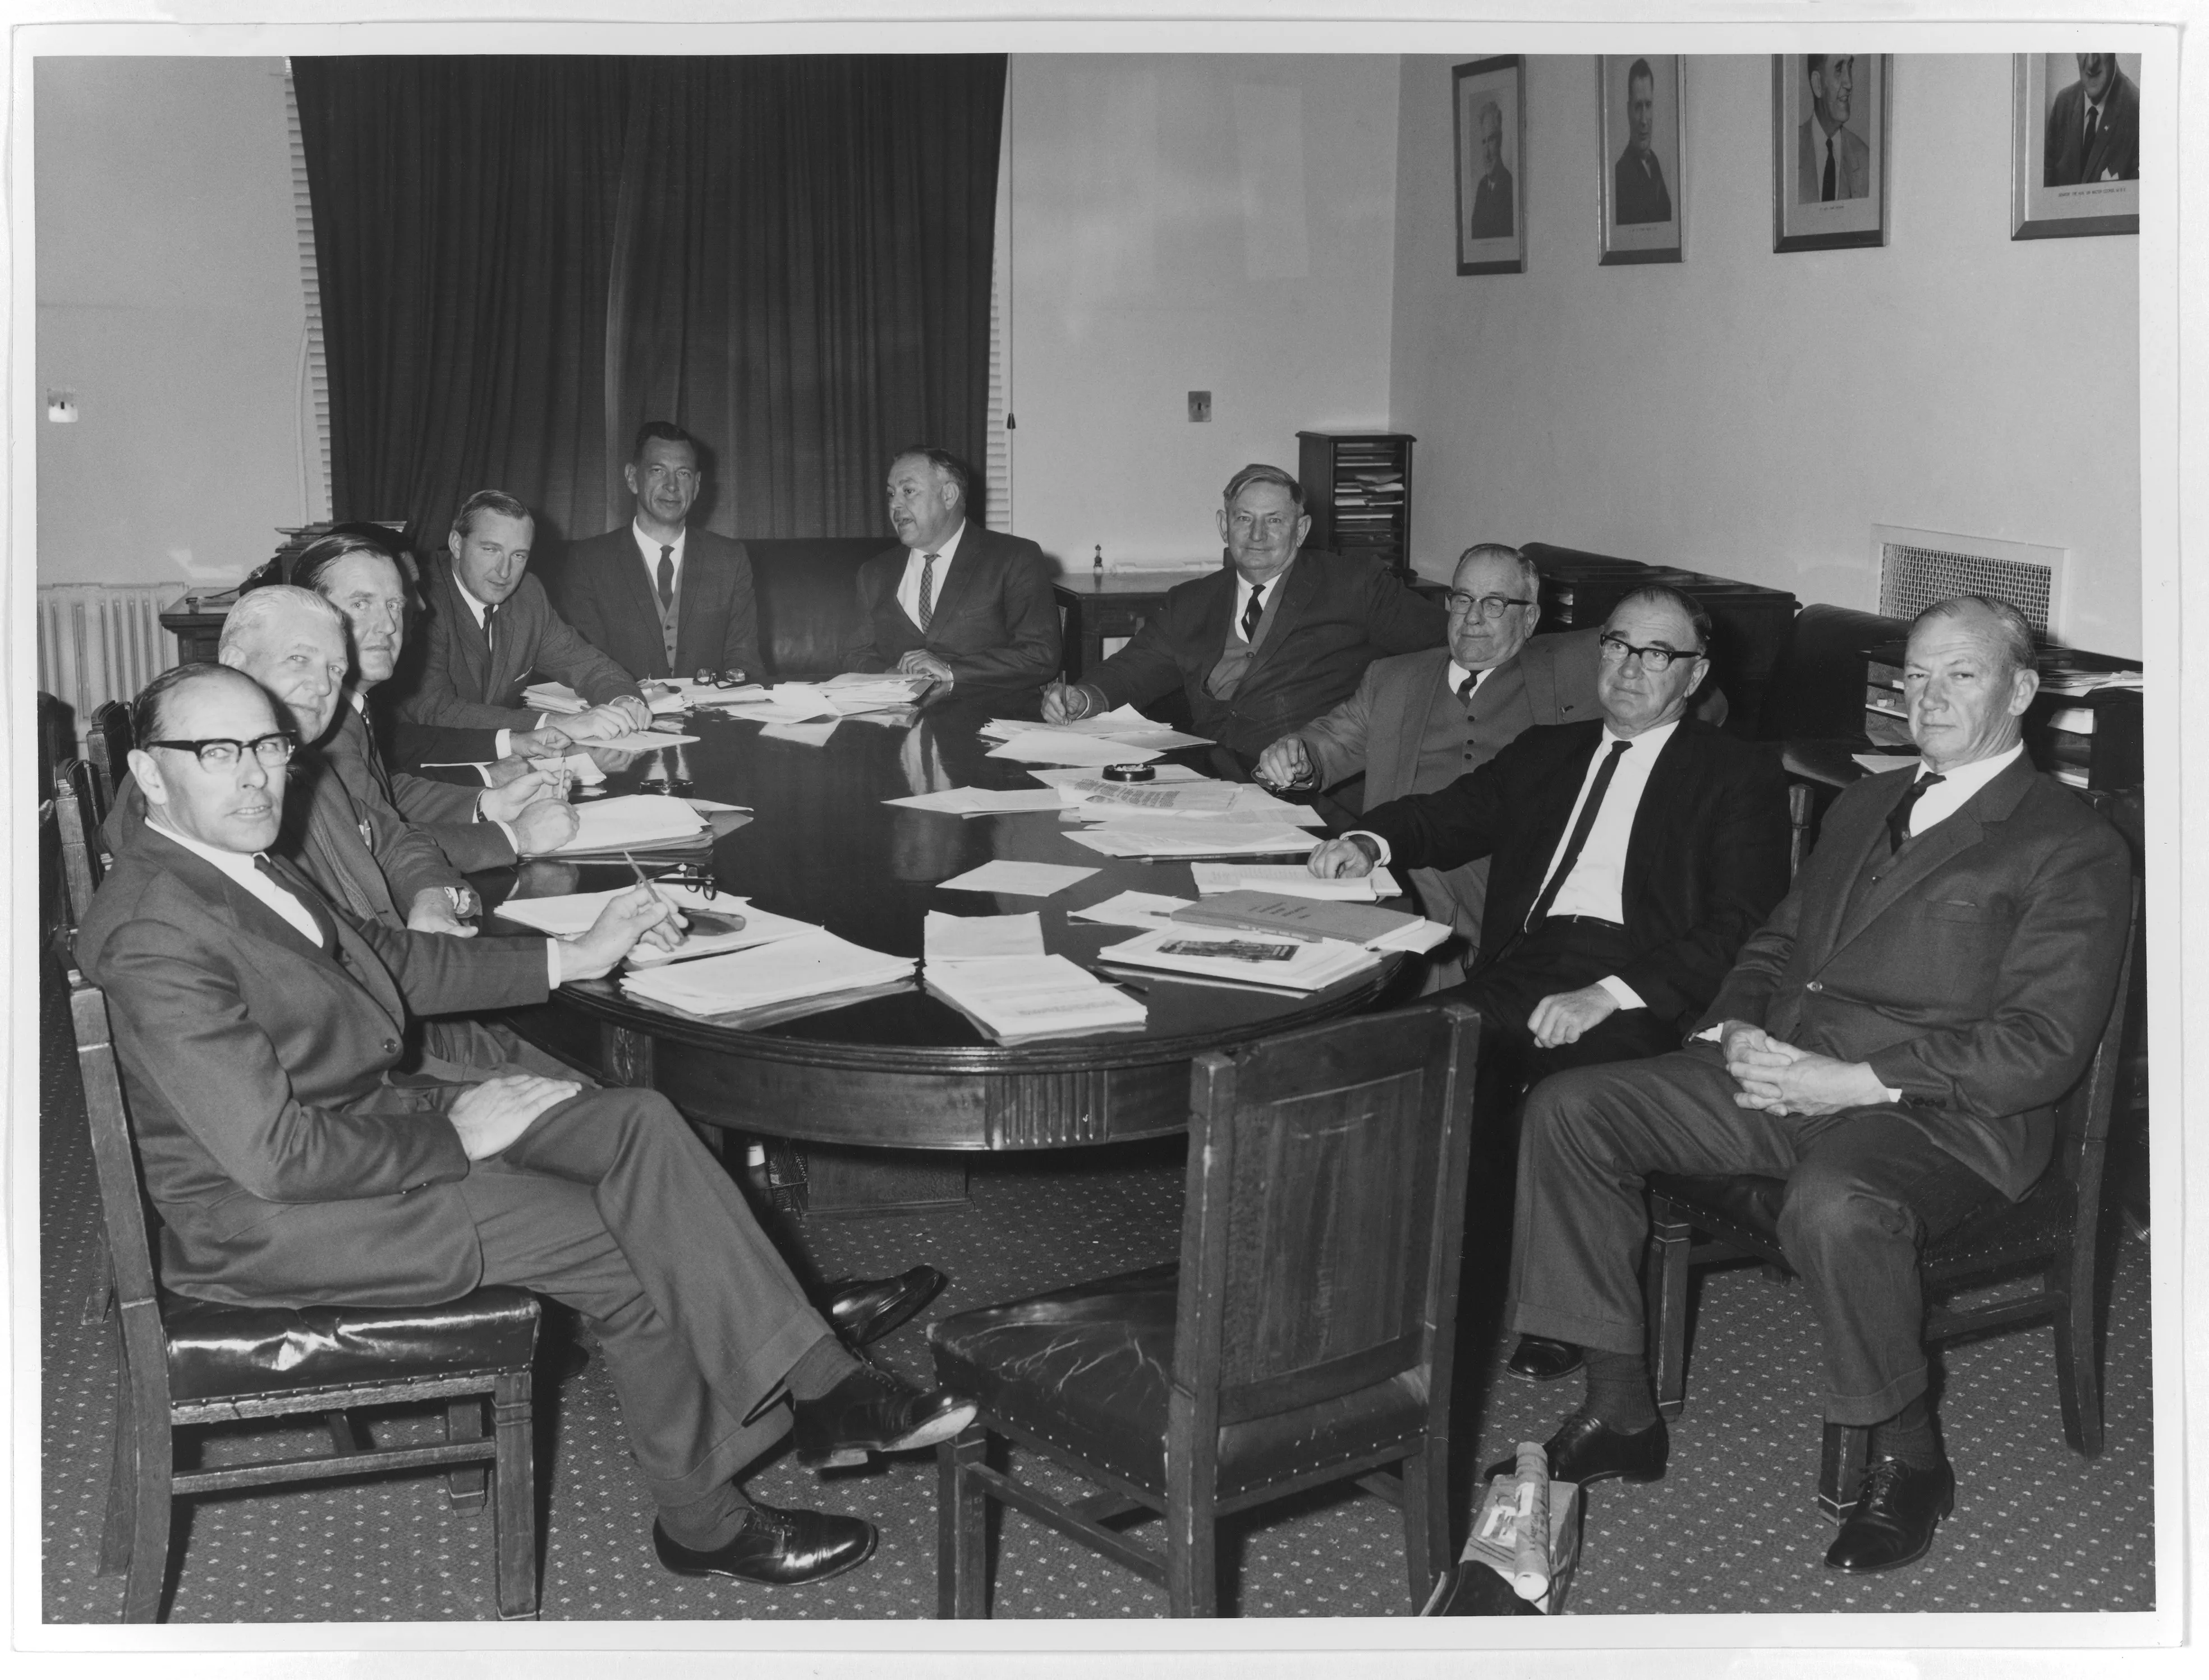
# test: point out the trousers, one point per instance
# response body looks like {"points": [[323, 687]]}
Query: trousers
{"points": [[1865, 1189], [1557, 956], [609, 1203]]}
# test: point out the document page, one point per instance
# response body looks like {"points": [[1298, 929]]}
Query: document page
{"points": [[1030, 881]]}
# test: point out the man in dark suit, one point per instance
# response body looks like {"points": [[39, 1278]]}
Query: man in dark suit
{"points": [[1831, 160], [970, 609], [491, 627], [2093, 127], [1276, 637], [259, 1032], [1629, 855], [1491, 216], [655, 597], [1891, 1043], [1638, 193], [521, 809]]}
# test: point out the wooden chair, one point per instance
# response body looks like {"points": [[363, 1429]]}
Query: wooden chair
{"points": [[57, 741], [2054, 1234], [84, 864], [181, 1363], [108, 745], [1306, 1337]]}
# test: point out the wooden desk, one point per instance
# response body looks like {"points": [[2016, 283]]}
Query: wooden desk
{"points": [[902, 1072], [196, 623], [1114, 605]]}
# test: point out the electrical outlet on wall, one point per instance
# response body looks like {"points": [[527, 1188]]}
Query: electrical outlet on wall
{"points": [[1199, 405]]}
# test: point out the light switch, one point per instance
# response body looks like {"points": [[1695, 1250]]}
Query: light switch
{"points": [[1199, 405]]}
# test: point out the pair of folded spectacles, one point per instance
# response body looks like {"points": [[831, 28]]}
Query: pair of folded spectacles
{"points": [[719, 679]]}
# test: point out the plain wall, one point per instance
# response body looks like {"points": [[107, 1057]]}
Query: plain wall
{"points": [[1752, 414], [169, 301], [1219, 223]]}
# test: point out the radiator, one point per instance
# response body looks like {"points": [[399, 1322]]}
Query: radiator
{"points": [[101, 642]]}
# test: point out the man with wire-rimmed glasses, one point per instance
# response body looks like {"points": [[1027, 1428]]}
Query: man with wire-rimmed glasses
{"points": [[1419, 721]]}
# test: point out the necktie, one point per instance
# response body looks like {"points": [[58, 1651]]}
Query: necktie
{"points": [[490, 641], [667, 576], [1252, 613], [1589, 806], [1826, 193], [1465, 689], [376, 766], [310, 901], [1898, 821], [2086, 146], [927, 588]]}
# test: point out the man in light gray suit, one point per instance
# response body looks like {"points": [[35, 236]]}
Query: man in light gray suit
{"points": [[1832, 161], [1419, 721]]}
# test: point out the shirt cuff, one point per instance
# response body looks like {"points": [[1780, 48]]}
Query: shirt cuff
{"points": [[1380, 844], [502, 745], [513, 839], [1621, 994], [553, 965]]}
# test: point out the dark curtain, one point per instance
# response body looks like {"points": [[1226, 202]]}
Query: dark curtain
{"points": [[521, 259]]}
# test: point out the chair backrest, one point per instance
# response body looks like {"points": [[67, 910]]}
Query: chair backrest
{"points": [[2082, 1118], [122, 1192], [1817, 686], [82, 865], [1326, 1208], [108, 744], [56, 740]]}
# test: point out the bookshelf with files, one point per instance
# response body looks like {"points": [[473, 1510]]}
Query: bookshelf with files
{"points": [[1357, 489]]}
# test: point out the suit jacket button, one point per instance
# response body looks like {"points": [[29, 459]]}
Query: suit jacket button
{"points": [[390, 1046], [1816, 986]]}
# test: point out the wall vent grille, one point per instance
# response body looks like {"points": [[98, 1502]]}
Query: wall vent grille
{"points": [[1917, 568]]}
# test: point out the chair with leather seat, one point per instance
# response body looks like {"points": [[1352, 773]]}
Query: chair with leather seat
{"points": [[181, 1363], [1305, 1337], [2054, 1234]]}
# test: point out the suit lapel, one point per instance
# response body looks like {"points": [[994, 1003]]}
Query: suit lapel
{"points": [[1656, 816], [1296, 592], [638, 586], [1924, 854], [958, 577], [1419, 696], [464, 634]]}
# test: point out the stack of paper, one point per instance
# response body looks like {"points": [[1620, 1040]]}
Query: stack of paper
{"points": [[871, 691], [1246, 959], [812, 965], [1020, 999], [711, 920], [1064, 747], [1096, 801], [631, 820], [1216, 877], [964, 938], [1194, 837], [1123, 723], [981, 802], [557, 698]]}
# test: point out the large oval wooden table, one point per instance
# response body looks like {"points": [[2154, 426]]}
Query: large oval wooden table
{"points": [[904, 1071]]}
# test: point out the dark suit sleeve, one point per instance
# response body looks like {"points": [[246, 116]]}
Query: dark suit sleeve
{"points": [[1743, 863], [566, 656], [1457, 823], [219, 1074], [2057, 975], [1400, 620], [1148, 668], [740, 650], [1745, 994], [439, 975], [862, 652], [1337, 740], [434, 700], [409, 858], [1031, 613]]}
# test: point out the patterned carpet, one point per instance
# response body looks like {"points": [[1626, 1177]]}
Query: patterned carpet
{"points": [[1733, 1527]]}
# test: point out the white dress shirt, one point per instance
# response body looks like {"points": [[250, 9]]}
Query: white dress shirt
{"points": [[1936, 804], [649, 547], [1457, 674], [1244, 589], [916, 561]]}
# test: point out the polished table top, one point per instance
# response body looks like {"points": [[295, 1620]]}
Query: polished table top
{"points": [[821, 847]]}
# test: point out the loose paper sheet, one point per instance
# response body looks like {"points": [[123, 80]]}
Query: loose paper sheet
{"points": [[1059, 747], [958, 938], [1031, 880]]}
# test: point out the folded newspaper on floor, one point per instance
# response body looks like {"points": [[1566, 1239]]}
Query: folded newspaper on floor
{"points": [[1020, 999], [1246, 959], [1293, 878], [814, 964], [1194, 837], [1297, 918], [630, 822], [717, 924], [1523, 1550]]}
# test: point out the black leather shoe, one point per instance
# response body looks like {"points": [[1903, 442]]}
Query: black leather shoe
{"points": [[1892, 1524], [776, 1548], [867, 1309], [1584, 1450], [871, 1410], [1539, 1359]]}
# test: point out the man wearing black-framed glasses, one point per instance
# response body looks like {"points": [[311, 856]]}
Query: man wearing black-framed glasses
{"points": [[1419, 721]]}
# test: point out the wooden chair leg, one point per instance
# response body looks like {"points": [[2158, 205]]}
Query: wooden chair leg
{"points": [[99, 1301], [150, 1514], [1192, 1558], [513, 1514], [1426, 1521], [1840, 1469], [1665, 1289], [2076, 1382], [345, 1437], [116, 1533], [465, 1484], [962, 1524]]}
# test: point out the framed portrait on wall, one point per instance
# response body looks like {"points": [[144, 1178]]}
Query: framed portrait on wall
{"points": [[1641, 190], [2074, 149], [1489, 96], [1829, 131]]}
